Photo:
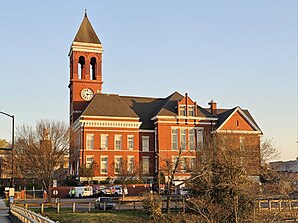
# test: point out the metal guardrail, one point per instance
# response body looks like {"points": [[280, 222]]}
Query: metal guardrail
{"points": [[26, 216]]}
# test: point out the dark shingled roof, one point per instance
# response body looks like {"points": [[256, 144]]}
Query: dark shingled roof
{"points": [[169, 108], [144, 108], [223, 114], [86, 33], [109, 105]]}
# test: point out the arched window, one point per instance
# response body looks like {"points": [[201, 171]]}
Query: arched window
{"points": [[81, 65], [93, 68]]}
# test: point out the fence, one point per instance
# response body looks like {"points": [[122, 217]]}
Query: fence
{"points": [[277, 205], [89, 206], [23, 215]]}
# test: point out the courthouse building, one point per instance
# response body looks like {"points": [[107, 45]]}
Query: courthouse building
{"points": [[111, 130]]}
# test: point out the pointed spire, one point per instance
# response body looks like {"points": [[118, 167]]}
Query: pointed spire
{"points": [[86, 33]]}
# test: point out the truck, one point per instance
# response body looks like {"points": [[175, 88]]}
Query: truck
{"points": [[82, 191]]}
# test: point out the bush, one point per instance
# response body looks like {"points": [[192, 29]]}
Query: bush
{"points": [[152, 205]]}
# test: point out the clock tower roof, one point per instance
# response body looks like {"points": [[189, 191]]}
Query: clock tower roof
{"points": [[86, 33]]}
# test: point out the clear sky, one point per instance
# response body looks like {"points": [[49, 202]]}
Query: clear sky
{"points": [[238, 53]]}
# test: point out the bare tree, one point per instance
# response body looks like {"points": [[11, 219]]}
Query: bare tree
{"points": [[5, 157], [127, 171], [221, 188], [268, 151], [40, 150], [87, 170], [171, 170]]}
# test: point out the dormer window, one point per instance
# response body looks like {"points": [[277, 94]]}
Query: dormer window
{"points": [[182, 110], [191, 110]]}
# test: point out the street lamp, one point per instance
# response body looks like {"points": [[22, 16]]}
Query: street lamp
{"points": [[12, 145]]}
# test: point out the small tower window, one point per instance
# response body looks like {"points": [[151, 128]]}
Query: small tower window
{"points": [[93, 68], [182, 110], [191, 110], [81, 65]]}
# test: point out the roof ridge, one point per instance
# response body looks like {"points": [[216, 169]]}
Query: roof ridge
{"points": [[143, 97], [167, 100]]}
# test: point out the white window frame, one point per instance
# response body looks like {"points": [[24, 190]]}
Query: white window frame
{"points": [[145, 169], [89, 141], [183, 163], [200, 138], [118, 138], [104, 141], [130, 142], [88, 163], [174, 144], [192, 163], [191, 139], [106, 163], [130, 164], [183, 139], [116, 168], [145, 143], [182, 110], [191, 110]]}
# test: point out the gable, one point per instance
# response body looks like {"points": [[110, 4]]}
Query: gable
{"points": [[237, 122]]}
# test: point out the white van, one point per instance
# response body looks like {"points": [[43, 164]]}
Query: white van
{"points": [[84, 191]]}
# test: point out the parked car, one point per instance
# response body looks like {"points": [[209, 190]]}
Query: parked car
{"points": [[184, 191], [114, 191], [97, 190], [104, 203], [83, 191]]}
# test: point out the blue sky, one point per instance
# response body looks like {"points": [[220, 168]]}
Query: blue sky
{"points": [[238, 53]]}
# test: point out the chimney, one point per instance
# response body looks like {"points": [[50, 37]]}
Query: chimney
{"points": [[213, 107]]}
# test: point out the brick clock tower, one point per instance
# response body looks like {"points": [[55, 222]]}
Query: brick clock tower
{"points": [[85, 68]]}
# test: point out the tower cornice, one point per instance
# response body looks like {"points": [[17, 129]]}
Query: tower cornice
{"points": [[85, 47]]}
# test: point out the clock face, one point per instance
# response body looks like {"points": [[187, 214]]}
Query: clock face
{"points": [[87, 94]]}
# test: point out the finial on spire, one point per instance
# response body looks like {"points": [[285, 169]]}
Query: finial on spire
{"points": [[85, 12]]}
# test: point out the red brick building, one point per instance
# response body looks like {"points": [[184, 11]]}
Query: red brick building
{"points": [[111, 129]]}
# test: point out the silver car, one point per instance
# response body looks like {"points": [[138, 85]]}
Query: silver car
{"points": [[104, 203]]}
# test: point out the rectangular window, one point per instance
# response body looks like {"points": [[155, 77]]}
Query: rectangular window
{"points": [[89, 161], [145, 143], [182, 110], [130, 164], [200, 139], [104, 141], [103, 164], [241, 141], [191, 139], [118, 142], [174, 161], [130, 142], [183, 164], [145, 164], [183, 138], [118, 164], [192, 163], [191, 110], [90, 141], [174, 139]]}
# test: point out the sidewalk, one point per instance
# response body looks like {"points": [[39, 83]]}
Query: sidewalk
{"points": [[4, 213]]}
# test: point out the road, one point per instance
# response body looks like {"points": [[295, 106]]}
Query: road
{"points": [[4, 213]]}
